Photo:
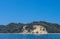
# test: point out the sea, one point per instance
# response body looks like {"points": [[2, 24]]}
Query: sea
{"points": [[29, 36]]}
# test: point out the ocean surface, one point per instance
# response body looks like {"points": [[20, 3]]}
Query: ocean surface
{"points": [[29, 36]]}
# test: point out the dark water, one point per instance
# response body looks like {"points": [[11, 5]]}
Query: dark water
{"points": [[29, 36]]}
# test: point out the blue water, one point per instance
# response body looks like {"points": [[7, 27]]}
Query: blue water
{"points": [[29, 36]]}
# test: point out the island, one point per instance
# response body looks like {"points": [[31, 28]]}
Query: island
{"points": [[35, 27]]}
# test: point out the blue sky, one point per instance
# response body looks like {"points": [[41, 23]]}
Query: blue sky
{"points": [[26, 11]]}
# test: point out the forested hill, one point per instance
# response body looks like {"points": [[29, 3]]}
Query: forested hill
{"points": [[18, 27]]}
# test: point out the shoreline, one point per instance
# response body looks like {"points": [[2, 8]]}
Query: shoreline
{"points": [[29, 33]]}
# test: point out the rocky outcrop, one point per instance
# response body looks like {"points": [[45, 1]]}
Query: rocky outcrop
{"points": [[37, 29]]}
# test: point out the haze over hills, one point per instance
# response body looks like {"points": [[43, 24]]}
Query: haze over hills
{"points": [[40, 27]]}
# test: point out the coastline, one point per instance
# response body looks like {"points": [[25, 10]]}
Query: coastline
{"points": [[28, 33]]}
